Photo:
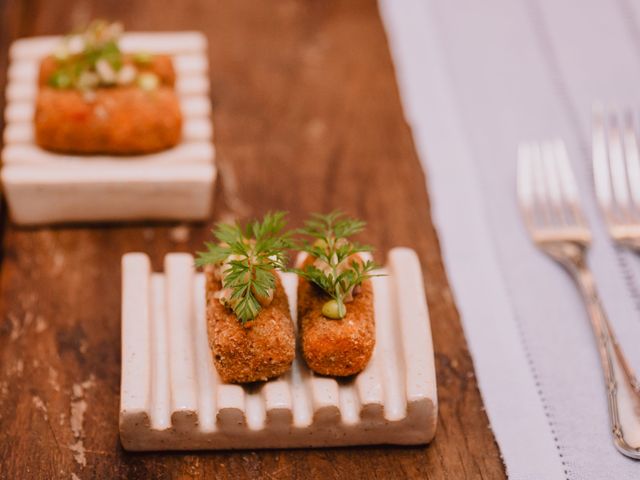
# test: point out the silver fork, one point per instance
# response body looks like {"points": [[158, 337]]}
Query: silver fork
{"points": [[616, 173], [548, 197]]}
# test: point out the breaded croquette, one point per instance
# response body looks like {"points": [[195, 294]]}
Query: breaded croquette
{"points": [[257, 350], [336, 347], [122, 120], [95, 99]]}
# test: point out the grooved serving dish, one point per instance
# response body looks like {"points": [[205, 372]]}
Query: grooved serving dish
{"points": [[44, 187], [172, 397]]}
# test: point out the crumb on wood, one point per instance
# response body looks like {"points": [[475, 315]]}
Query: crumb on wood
{"points": [[53, 379], [39, 405], [28, 300], [316, 129], [79, 452], [16, 369], [58, 263], [77, 409], [18, 327], [89, 383], [28, 319], [41, 324]]}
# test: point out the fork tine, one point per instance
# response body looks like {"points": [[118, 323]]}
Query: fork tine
{"points": [[567, 244], [541, 205], [525, 184], [548, 194], [632, 158], [617, 167], [568, 184], [601, 164], [552, 182]]}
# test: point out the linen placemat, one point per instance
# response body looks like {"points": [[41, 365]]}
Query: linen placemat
{"points": [[477, 78]]}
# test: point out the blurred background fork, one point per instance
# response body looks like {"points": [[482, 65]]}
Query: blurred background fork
{"points": [[549, 200], [616, 172]]}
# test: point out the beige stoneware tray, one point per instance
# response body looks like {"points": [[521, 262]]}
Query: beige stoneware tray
{"points": [[172, 398], [44, 187]]}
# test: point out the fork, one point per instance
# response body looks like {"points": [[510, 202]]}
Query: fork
{"points": [[548, 198], [616, 173]]}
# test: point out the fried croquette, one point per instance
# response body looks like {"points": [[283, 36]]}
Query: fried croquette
{"points": [[335, 347], [261, 349], [120, 120]]}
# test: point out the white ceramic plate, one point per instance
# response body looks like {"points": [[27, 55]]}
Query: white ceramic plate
{"points": [[43, 187], [173, 399]]}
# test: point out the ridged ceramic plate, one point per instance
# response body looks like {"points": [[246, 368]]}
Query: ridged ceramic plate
{"points": [[45, 187], [172, 397]]}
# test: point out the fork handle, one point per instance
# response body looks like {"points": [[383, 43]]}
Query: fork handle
{"points": [[623, 390]]}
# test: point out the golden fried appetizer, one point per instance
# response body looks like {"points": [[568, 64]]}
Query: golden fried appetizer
{"points": [[335, 298], [121, 121], [93, 99], [259, 349], [251, 333]]}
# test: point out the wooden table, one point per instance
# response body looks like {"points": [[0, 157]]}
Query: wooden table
{"points": [[307, 118]]}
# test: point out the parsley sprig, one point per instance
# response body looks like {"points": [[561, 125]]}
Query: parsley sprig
{"points": [[340, 273], [248, 255]]}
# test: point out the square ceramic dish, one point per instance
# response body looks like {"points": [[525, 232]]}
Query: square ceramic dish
{"points": [[171, 397], [43, 187]]}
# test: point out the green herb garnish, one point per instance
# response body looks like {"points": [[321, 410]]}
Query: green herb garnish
{"points": [[92, 58], [60, 79], [247, 258], [335, 270]]}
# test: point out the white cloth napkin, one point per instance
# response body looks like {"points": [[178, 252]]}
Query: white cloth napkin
{"points": [[476, 78]]}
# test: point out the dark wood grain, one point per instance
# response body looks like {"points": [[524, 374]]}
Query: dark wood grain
{"points": [[307, 118]]}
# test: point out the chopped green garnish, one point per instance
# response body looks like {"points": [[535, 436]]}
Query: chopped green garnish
{"points": [[60, 79], [95, 54]]}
